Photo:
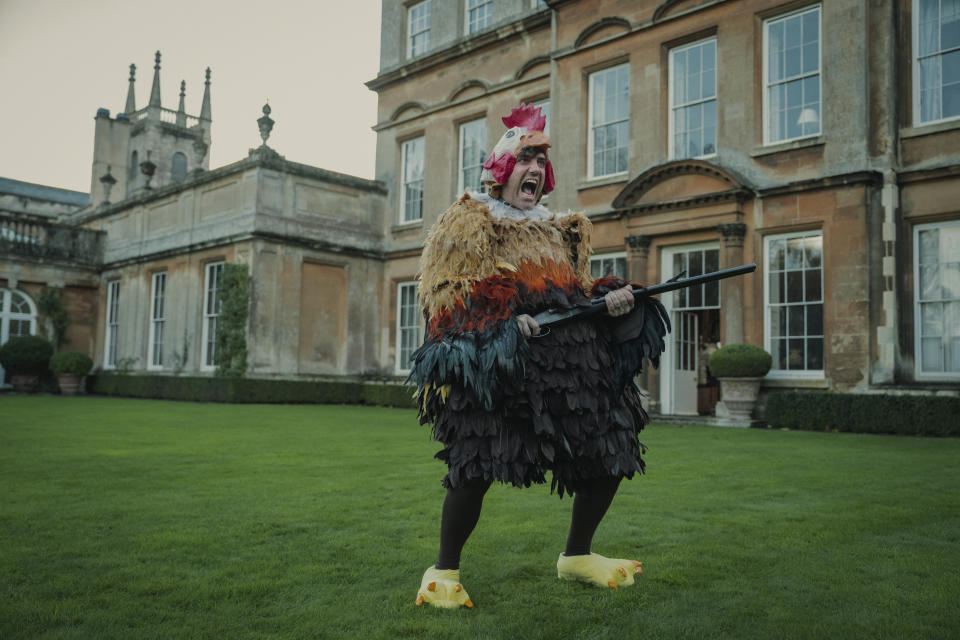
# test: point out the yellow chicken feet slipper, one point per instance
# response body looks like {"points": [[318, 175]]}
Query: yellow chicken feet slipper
{"points": [[442, 588], [598, 570]]}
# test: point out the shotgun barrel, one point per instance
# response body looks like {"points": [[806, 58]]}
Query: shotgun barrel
{"points": [[598, 305]]}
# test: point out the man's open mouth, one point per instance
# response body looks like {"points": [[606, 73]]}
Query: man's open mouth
{"points": [[529, 186]]}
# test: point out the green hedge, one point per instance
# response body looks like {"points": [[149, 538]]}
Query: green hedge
{"points": [[864, 413], [247, 390]]}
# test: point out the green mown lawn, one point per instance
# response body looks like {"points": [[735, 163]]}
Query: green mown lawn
{"points": [[147, 519]]}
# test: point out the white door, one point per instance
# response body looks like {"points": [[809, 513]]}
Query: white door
{"points": [[686, 348], [678, 373]]}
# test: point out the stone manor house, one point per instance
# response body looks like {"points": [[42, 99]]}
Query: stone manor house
{"points": [[820, 140]]}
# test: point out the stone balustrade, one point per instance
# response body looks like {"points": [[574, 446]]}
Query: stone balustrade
{"points": [[39, 238]]}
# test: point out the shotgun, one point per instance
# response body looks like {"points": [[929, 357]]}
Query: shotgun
{"points": [[598, 305]]}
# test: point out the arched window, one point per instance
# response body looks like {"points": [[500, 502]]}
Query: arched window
{"points": [[179, 169], [134, 167], [18, 315]]}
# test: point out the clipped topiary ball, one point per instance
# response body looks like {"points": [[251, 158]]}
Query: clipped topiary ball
{"points": [[26, 355], [71, 363], [740, 361]]}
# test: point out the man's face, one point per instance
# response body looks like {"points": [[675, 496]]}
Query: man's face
{"points": [[525, 184]]}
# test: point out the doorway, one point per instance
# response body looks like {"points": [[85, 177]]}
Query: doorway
{"points": [[686, 386]]}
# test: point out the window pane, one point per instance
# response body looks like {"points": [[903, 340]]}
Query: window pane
{"points": [[18, 304], [775, 48], [950, 280], [931, 319], [711, 295], [950, 25], [794, 253], [792, 30], [776, 287], [795, 324], [815, 320], [931, 355], [815, 353], [794, 286], [796, 356], [19, 328], [929, 246], [930, 89], [929, 282], [812, 292], [778, 322], [779, 348]]}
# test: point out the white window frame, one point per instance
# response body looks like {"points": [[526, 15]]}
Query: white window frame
{"points": [[767, 115], [468, 27], [401, 328], [410, 146], [158, 319], [601, 257], [418, 25], [792, 374], [917, 333], [211, 312], [544, 105], [112, 325], [7, 314], [917, 113], [461, 183], [672, 126], [592, 126]]}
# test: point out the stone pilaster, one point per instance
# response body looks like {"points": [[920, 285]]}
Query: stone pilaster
{"points": [[638, 252], [731, 303]]}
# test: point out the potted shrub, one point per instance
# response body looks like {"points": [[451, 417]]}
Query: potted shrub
{"points": [[740, 369], [26, 358], [70, 367]]}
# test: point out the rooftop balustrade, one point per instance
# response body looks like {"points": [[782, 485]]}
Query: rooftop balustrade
{"points": [[39, 238]]}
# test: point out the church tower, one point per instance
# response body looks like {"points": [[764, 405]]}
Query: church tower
{"points": [[150, 147]]}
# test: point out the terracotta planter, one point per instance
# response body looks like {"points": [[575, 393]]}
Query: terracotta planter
{"points": [[25, 382], [69, 383], [740, 396]]}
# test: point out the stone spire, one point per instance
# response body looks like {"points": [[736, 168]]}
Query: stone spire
{"points": [[155, 91], [205, 107], [182, 110], [131, 105]]}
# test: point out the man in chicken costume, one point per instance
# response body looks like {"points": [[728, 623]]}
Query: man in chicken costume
{"points": [[508, 401]]}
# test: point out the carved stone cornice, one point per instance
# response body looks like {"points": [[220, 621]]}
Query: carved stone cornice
{"points": [[733, 233], [638, 245]]}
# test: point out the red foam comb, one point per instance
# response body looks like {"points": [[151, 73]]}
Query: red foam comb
{"points": [[526, 116]]}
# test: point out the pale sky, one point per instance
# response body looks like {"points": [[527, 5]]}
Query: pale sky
{"points": [[61, 60]]}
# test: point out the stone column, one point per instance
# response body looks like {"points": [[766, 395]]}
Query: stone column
{"points": [[638, 253], [731, 255], [638, 250]]}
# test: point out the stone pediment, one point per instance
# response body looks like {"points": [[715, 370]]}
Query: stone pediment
{"points": [[682, 183]]}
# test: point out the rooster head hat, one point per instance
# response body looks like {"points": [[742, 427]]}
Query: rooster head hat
{"points": [[525, 126]]}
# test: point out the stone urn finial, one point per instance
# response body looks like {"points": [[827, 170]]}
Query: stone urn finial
{"points": [[148, 168], [265, 123], [107, 180]]}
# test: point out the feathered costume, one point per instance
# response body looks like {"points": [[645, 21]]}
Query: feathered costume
{"points": [[509, 408]]}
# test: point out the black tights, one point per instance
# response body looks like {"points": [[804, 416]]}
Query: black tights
{"points": [[461, 512]]}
